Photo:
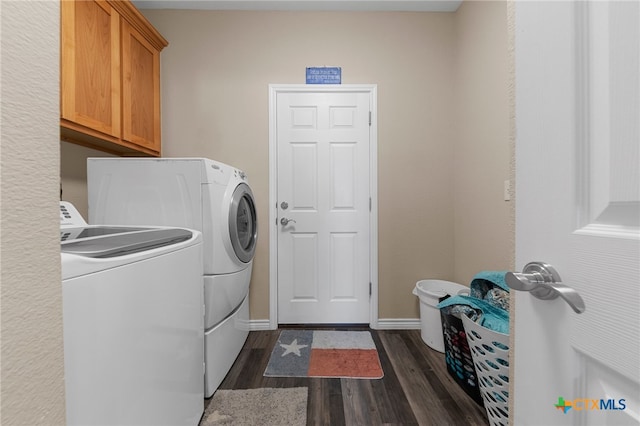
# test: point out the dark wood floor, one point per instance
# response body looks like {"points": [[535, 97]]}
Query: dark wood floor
{"points": [[416, 388]]}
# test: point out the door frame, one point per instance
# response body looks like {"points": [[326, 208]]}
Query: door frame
{"points": [[372, 90]]}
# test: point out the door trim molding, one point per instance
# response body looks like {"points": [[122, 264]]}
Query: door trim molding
{"points": [[372, 89]]}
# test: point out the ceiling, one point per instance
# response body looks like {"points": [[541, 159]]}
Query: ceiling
{"points": [[305, 5]]}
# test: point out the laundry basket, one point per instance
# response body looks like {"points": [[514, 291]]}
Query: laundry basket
{"points": [[490, 352], [458, 358]]}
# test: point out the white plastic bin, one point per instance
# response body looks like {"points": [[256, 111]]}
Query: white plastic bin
{"points": [[430, 292]]}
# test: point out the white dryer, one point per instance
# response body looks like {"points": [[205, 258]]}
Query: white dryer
{"points": [[132, 322], [195, 193]]}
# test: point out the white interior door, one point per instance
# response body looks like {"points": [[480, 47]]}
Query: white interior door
{"points": [[323, 206], [577, 208]]}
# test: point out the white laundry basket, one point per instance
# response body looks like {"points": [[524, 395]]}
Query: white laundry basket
{"points": [[490, 353], [430, 292]]}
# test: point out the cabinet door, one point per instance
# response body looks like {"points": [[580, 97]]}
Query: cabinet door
{"points": [[140, 90], [90, 65]]}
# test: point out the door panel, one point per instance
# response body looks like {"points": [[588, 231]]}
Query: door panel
{"points": [[90, 65], [323, 180], [140, 90], [578, 192], [304, 280], [304, 190]]}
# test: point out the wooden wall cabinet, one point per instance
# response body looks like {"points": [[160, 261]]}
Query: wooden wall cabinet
{"points": [[110, 77]]}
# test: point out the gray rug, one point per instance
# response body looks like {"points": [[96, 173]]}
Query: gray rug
{"points": [[266, 406]]}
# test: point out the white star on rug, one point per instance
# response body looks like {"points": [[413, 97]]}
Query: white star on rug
{"points": [[293, 348]]}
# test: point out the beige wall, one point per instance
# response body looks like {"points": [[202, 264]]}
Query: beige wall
{"points": [[73, 174], [32, 351], [483, 228], [215, 77], [442, 126], [236, 56]]}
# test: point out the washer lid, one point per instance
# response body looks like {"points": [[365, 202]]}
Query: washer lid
{"points": [[68, 234], [122, 244]]}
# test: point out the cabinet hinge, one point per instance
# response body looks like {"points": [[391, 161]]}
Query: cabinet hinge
{"points": [[369, 118], [369, 288], [369, 204]]}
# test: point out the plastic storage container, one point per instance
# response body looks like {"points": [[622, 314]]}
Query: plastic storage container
{"points": [[458, 356], [430, 293], [489, 294], [490, 352]]}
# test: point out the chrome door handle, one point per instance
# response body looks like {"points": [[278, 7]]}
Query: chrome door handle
{"points": [[284, 221], [543, 282]]}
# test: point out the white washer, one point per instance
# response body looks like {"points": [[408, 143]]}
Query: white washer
{"points": [[133, 324], [195, 193]]}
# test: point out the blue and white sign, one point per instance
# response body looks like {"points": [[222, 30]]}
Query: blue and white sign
{"points": [[324, 75]]}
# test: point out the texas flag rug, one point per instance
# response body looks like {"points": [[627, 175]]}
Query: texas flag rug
{"points": [[323, 353]]}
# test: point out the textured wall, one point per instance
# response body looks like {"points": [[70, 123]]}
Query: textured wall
{"points": [[511, 31], [31, 305], [483, 228]]}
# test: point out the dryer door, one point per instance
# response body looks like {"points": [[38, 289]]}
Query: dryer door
{"points": [[243, 223]]}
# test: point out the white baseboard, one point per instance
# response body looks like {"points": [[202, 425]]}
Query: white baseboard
{"points": [[259, 325], [383, 324], [398, 324]]}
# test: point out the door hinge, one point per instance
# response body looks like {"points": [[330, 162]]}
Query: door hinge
{"points": [[369, 204], [369, 288], [369, 118]]}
